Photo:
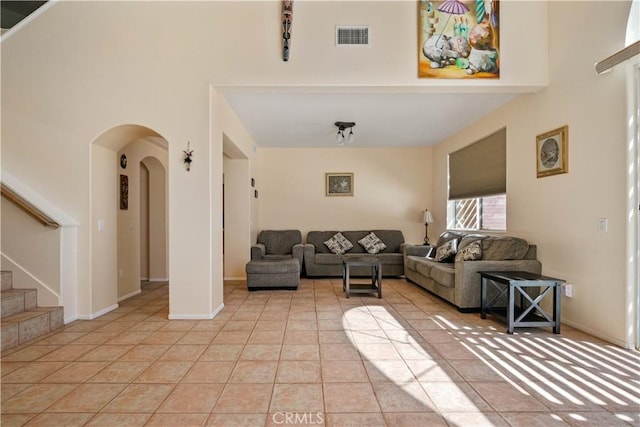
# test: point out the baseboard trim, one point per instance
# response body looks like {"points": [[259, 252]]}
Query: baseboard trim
{"points": [[97, 313], [236, 278], [598, 334], [197, 316], [158, 279], [129, 295]]}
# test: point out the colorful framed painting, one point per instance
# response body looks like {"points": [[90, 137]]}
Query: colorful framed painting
{"points": [[339, 184], [552, 152], [459, 39]]}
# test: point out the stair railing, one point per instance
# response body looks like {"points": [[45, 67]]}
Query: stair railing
{"points": [[28, 208]]}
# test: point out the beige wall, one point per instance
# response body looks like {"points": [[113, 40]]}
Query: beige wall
{"points": [[391, 187], [560, 213]]}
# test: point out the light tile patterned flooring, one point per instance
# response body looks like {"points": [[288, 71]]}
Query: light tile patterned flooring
{"points": [[313, 357]]}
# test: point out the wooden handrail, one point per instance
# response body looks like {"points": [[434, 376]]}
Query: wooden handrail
{"points": [[28, 208]]}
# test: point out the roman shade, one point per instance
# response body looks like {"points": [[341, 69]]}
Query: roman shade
{"points": [[479, 169]]}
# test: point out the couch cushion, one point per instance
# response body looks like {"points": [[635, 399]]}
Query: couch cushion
{"points": [[279, 242], [276, 257], [471, 252], [353, 237], [390, 259], [444, 274], [338, 244], [449, 235], [424, 268], [392, 238], [468, 239], [447, 252], [410, 263], [504, 248], [328, 259], [317, 239], [372, 244]]}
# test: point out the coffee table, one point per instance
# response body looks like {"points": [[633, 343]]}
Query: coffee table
{"points": [[376, 275], [512, 283]]}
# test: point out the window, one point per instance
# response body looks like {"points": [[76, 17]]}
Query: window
{"points": [[478, 185], [482, 213]]}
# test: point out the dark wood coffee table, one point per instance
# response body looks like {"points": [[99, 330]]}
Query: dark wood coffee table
{"points": [[528, 310], [376, 275]]}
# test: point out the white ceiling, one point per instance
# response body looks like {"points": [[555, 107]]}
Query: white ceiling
{"points": [[282, 118]]}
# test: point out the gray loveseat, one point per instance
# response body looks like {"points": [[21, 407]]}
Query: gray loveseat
{"points": [[320, 262], [458, 281]]}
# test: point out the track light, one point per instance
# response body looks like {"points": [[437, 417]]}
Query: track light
{"points": [[340, 138]]}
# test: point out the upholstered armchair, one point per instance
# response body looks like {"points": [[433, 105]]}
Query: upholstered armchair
{"points": [[278, 245]]}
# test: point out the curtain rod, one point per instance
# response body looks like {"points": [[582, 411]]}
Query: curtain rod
{"points": [[618, 57]]}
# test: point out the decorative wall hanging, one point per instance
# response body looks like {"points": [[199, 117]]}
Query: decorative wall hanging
{"points": [[253, 182], [123, 161], [458, 40], [287, 20], [552, 152], [124, 192], [339, 184], [188, 156]]}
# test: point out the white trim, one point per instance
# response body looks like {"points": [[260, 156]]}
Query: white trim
{"points": [[31, 276], [97, 313], [158, 279], [144, 279], [236, 278], [197, 316], [597, 334], [129, 295], [27, 19]]}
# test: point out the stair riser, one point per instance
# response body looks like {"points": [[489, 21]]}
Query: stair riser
{"points": [[15, 333], [7, 280], [33, 328], [18, 303], [10, 337]]}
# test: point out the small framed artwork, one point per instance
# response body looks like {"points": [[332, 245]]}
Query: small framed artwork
{"points": [[339, 184], [552, 152], [255, 194], [253, 182], [124, 192]]}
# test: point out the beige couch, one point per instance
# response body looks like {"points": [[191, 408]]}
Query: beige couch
{"points": [[459, 281]]}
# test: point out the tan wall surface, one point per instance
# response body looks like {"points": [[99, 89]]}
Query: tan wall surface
{"points": [[560, 213], [391, 187]]}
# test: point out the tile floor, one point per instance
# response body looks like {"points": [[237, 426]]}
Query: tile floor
{"points": [[313, 357]]}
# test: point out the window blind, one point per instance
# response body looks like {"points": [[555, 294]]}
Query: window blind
{"points": [[479, 169]]}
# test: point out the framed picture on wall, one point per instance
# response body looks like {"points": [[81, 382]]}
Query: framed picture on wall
{"points": [[124, 192], [552, 152], [339, 183]]}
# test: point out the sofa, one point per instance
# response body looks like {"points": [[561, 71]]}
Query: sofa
{"points": [[319, 261], [456, 278], [277, 245]]}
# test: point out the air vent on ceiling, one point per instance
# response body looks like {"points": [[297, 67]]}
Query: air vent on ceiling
{"points": [[352, 35]]}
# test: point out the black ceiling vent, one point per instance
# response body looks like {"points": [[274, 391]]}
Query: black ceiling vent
{"points": [[352, 35]]}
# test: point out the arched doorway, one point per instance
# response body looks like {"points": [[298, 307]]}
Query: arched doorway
{"points": [[116, 156]]}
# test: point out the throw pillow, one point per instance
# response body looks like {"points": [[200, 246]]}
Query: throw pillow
{"points": [[471, 252], [338, 244], [372, 244], [447, 252]]}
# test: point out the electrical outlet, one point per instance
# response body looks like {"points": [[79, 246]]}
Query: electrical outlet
{"points": [[603, 225], [567, 290]]}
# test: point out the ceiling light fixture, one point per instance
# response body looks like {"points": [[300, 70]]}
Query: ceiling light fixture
{"points": [[342, 126]]}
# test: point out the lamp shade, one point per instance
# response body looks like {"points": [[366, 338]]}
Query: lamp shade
{"points": [[427, 218]]}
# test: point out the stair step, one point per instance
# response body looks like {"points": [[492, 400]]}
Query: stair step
{"points": [[27, 325], [14, 301], [7, 280]]}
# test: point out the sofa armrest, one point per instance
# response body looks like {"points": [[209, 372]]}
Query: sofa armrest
{"points": [[467, 287], [297, 251], [258, 251], [417, 250]]}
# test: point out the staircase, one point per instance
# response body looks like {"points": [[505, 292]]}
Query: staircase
{"points": [[21, 319]]}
